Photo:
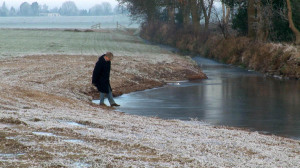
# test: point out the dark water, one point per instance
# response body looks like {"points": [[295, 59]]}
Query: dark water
{"points": [[230, 96]]}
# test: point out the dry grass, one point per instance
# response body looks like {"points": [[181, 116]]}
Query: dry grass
{"points": [[11, 120], [270, 58]]}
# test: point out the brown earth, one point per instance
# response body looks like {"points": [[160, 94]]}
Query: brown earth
{"points": [[36, 77]]}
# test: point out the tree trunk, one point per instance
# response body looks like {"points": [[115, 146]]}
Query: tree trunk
{"points": [[251, 18], [226, 13], [206, 12], [211, 2], [297, 39], [171, 12], [195, 15], [291, 22], [186, 13], [261, 28]]}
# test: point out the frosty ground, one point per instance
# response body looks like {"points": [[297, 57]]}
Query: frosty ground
{"points": [[48, 120]]}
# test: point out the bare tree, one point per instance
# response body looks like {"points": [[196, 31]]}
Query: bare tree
{"points": [[25, 9], [185, 9], [259, 19], [252, 13], [96, 10], [291, 22], [222, 22], [3, 10], [170, 5], [264, 20], [226, 13], [141, 10], [207, 8], [68, 8], [107, 9], [195, 11]]}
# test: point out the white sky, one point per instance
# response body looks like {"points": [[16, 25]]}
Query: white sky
{"points": [[81, 4]]}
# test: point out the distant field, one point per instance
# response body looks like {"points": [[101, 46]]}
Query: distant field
{"points": [[78, 22], [43, 42]]}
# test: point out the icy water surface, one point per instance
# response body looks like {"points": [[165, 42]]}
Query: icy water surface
{"points": [[230, 96]]}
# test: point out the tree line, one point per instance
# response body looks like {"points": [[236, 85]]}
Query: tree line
{"points": [[264, 20], [68, 8]]}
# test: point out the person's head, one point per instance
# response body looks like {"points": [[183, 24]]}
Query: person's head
{"points": [[108, 56]]}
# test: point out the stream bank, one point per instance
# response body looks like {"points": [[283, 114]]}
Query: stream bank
{"points": [[274, 59]]}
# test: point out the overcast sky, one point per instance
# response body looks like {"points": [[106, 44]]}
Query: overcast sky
{"points": [[81, 4]]}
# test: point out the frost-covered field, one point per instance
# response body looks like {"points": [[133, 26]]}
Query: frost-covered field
{"points": [[44, 42], [64, 22], [47, 118]]}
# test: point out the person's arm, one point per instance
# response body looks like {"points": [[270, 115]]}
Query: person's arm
{"points": [[96, 74]]}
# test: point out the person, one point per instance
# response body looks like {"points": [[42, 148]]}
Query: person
{"points": [[101, 76]]}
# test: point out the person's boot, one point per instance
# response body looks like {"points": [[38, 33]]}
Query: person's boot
{"points": [[103, 105], [115, 105]]}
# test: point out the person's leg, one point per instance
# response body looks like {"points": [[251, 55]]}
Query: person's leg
{"points": [[110, 98], [102, 95]]}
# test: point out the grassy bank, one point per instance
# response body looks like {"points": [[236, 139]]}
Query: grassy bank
{"points": [[269, 58], [21, 42]]}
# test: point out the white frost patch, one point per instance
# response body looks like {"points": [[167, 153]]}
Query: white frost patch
{"points": [[81, 165], [77, 141], [44, 134], [72, 123]]}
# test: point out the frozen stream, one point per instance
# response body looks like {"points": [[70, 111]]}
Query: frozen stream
{"points": [[230, 96]]}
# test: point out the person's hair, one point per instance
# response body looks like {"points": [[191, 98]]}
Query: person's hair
{"points": [[109, 55]]}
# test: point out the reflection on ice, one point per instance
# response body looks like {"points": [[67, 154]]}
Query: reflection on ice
{"points": [[175, 83]]}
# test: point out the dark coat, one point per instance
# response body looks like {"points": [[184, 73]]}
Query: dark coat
{"points": [[101, 75]]}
